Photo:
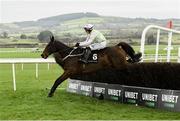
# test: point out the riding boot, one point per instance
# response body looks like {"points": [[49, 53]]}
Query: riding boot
{"points": [[86, 55], [137, 57]]}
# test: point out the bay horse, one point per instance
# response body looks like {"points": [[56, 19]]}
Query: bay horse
{"points": [[110, 57]]}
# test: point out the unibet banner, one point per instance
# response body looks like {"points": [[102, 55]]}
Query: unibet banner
{"points": [[99, 90], [86, 88], [73, 86], [170, 99], [114, 92], [149, 97], [131, 95]]}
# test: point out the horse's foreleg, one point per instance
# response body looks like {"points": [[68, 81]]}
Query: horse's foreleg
{"points": [[58, 81]]}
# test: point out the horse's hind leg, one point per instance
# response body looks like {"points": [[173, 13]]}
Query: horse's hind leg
{"points": [[130, 52], [58, 81], [127, 48]]}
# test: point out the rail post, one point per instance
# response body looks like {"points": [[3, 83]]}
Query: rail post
{"points": [[143, 38], [14, 76], [36, 70]]}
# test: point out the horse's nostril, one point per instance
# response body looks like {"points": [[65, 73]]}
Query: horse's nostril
{"points": [[42, 55]]}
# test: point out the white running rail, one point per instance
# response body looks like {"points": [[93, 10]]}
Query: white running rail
{"points": [[143, 38], [14, 61]]}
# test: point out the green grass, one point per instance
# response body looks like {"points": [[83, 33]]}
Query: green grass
{"points": [[17, 41], [33, 104], [151, 49], [83, 21], [30, 100], [20, 55], [76, 26]]}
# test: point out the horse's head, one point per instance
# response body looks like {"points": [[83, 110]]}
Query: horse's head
{"points": [[49, 49]]}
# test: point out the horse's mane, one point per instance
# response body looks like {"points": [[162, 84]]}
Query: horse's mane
{"points": [[61, 45]]}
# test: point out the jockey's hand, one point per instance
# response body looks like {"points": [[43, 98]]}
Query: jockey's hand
{"points": [[77, 45]]}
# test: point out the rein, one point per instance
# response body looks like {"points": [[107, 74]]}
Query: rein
{"points": [[69, 55]]}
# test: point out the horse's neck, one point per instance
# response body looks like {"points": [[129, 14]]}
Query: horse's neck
{"points": [[58, 58], [63, 49]]}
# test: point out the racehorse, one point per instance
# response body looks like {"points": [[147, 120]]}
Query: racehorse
{"points": [[110, 57]]}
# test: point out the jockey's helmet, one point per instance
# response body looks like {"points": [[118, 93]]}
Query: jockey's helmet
{"points": [[88, 27]]}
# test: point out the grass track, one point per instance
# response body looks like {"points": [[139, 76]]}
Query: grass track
{"points": [[33, 104]]}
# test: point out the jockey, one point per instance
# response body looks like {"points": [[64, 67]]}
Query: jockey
{"points": [[95, 41]]}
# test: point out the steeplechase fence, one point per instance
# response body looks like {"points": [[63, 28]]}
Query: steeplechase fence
{"points": [[143, 96], [139, 96]]}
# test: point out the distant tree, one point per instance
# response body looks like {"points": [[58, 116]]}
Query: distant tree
{"points": [[137, 34], [130, 40], [32, 37], [5, 35], [44, 36], [23, 36], [151, 39]]}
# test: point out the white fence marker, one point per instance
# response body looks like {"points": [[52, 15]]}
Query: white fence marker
{"points": [[157, 45], [14, 61], [143, 38], [36, 70], [14, 76], [169, 46]]}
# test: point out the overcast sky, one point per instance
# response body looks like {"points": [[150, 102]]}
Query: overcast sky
{"points": [[26, 10]]}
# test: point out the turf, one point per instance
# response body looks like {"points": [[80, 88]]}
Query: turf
{"points": [[32, 104]]}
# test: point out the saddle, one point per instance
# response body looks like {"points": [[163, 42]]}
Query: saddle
{"points": [[89, 57], [93, 57]]}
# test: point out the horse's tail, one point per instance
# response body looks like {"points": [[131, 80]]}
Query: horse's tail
{"points": [[134, 57]]}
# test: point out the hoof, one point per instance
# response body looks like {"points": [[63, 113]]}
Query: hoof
{"points": [[50, 95], [101, 97]]}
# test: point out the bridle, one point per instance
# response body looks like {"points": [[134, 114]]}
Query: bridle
{"points": [[70, 53]]}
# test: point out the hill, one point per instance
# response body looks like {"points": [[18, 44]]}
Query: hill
{"points": [[55, 20], [68, 27], [76, 20]]}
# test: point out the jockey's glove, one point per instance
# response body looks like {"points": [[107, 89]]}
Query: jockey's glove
{"points": [[77, 45]]}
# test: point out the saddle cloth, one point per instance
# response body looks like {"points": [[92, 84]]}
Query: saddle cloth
{"points": [[93, 58]]}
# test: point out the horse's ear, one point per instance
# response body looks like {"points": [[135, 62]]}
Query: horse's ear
{"points": [[52, 38]]}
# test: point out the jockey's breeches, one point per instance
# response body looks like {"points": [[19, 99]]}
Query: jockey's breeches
{"points": [[98, 46]]}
